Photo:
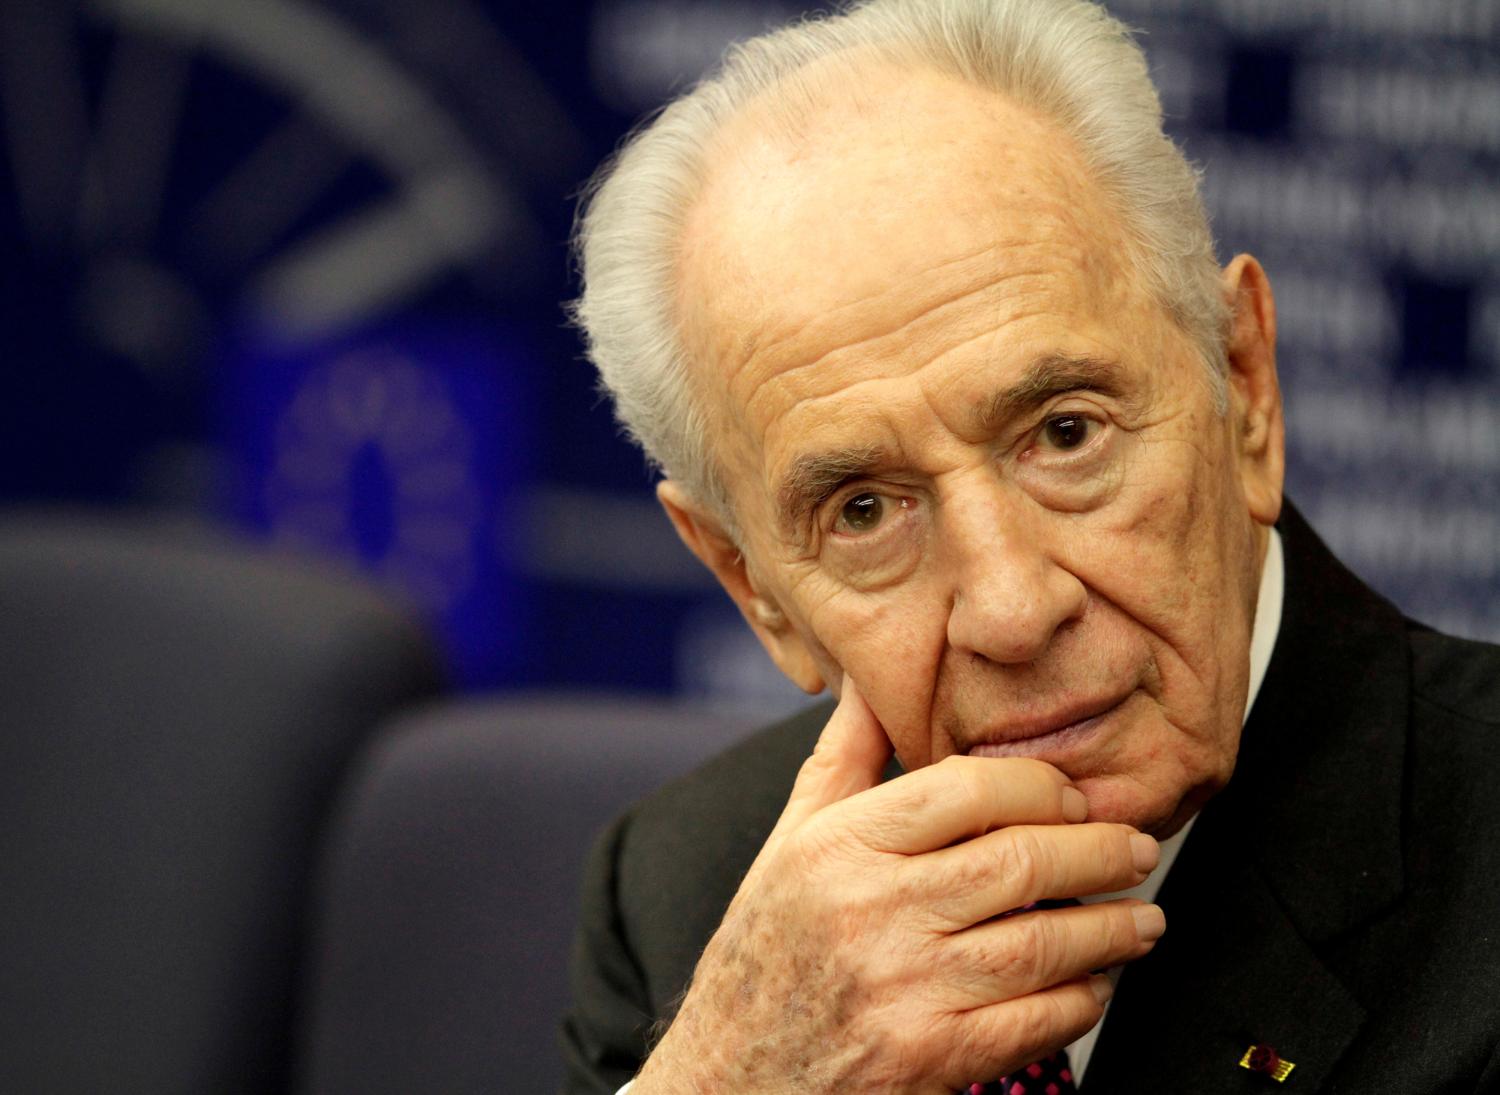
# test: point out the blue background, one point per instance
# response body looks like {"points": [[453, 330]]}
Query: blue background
{"points": [[296, 267]]}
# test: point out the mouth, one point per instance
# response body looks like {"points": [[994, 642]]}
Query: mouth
{"points": [[1051, 734]]}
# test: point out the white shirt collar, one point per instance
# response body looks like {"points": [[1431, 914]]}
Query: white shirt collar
{"points": [[1267, 617]]}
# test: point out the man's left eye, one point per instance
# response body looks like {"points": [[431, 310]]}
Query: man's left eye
{"points": [[862, 513], [1067, 431]]}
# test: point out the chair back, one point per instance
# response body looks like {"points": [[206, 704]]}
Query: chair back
{"points": [[175, 714]]}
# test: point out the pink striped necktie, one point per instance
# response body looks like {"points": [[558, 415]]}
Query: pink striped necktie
{"points": [[1049, 1076]]}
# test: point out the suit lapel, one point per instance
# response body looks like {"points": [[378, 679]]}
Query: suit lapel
{"points": [[1301, 847], [1232, 970]]}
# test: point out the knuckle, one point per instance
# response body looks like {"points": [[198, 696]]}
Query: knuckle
{"points": [[917, 1049], [1022, 959], [805, 845], [821, 844], [1123, 934], [954, 768], [903, 908], [1053, 1010], [1026, 862], [1111, 847], [1112, 932], [1000, 962], [1063, 1016], [971, 781], [1017, 967], [1093, 930], [1036, 1021], [1124, 855], [1047, 943], [965, 1042]]}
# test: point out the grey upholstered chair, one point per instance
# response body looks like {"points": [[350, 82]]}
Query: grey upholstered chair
{"points": [[175, 713], [450, 887]]}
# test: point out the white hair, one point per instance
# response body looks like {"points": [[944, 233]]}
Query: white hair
{"points": [[1067, 59]]}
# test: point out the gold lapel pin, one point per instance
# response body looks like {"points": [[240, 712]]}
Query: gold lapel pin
{"points": [[1264, 1059]]}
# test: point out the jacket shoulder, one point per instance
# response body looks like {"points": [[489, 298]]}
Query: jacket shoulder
{"points": [[1459, 676], [1453, 753]]}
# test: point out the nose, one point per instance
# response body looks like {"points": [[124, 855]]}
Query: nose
{"points": [[1009, 594]]}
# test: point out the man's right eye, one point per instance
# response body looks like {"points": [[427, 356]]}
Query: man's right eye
{"points": [[861, 513]]}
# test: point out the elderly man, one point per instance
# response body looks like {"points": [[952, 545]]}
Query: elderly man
{"points": [[918, 312]]}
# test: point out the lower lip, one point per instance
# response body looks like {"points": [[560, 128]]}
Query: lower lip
{"points": [[1064, 739]]}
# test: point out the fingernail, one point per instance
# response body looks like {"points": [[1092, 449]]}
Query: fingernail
{"points": [[1150, 922], [1145, 852], [1103, 988], [1074, 806]]}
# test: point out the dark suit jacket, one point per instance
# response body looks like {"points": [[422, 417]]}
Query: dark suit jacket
{"points": [[1339, 900]]}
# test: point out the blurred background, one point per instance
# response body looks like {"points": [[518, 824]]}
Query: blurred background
{"points": [[288, 274], [294, 268]]}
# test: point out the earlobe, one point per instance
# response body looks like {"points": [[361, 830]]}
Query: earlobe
{"points": [[706, 538], [767, 615], [1255, 392]]}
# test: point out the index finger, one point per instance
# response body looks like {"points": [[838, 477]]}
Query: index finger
{"points": [[959, 798]]}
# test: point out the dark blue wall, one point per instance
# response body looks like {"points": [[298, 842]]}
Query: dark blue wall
{"points": [[297, 266]]}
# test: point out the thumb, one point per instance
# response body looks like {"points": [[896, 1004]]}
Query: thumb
{"points": [[850, 757]]}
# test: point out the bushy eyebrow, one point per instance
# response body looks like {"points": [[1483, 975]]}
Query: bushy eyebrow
{"points": [[812, 477], [1053, 375]]}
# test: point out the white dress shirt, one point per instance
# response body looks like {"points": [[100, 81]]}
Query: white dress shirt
{"points": [[1262, 641]]}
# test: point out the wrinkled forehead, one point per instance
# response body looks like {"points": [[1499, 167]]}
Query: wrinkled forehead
{"points": [[865, 207]]}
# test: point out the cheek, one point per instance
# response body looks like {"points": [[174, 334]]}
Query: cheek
{"points": [[1169, 556], [891, 645], [1168, 533]]}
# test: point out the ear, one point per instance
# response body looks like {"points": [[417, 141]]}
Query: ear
{"points": [[705, 537], [1254, 391]]}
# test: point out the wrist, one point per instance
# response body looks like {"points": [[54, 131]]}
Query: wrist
{"points": [[686, 1062]]}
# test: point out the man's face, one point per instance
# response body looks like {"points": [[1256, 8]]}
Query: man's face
{"points": [[975, 465]]}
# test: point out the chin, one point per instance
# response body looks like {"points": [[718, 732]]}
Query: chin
{"points": [[1122, 800]]}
